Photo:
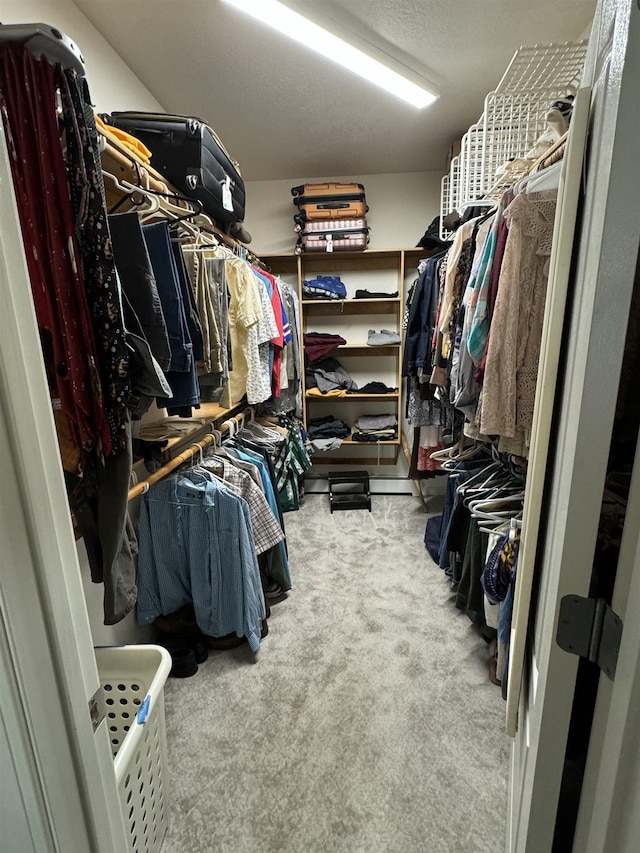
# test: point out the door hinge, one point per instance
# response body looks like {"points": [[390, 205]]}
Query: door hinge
{"points": [[97, 708], [589, 628]]}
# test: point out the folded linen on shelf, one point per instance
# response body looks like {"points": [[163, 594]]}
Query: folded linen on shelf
{"points": [[319, 344]]}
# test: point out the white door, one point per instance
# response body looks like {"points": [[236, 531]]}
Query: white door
{"points": [[604, 258], [57, 786]]}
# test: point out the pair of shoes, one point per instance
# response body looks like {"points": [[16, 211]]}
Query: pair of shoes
{"points": [[182, 622], [383, 338], [197, 644]]}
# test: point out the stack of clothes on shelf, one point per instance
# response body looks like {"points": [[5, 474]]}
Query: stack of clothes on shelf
{"points": [[375, 428], [327, 432]]}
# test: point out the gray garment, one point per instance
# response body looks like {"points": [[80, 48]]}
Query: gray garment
{"points": [[376, 422], [109, 536], [323, 444], [328, 375], [220, 295], [466, 391]]}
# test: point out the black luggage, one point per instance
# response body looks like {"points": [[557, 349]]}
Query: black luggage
{"points": [[189, 153]]}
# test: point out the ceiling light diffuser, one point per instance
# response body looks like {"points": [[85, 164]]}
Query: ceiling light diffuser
{"points": [[316, 38]]}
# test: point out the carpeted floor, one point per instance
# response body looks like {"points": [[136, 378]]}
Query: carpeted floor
{"points": [[365, 724]]}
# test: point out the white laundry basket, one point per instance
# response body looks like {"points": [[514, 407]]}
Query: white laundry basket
{"points": [[133, 679]]}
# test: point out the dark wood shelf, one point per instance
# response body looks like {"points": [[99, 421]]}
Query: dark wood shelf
{"points": [[332, 307]]}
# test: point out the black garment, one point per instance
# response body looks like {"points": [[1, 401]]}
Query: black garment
{"points": [[328, 427], [107, 531], [96, 256], [375, 388], [422, 319], [470, 595], [367, 294], [383, 435], [190, 308], [139, 283]]}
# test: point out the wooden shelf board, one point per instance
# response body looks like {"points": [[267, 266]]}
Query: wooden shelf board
{"points": [[368, 397], [350, 306], [349, 440], [360, 461], [364, 350]]}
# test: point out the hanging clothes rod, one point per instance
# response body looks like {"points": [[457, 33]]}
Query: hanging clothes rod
{"points": [[196, 448]]}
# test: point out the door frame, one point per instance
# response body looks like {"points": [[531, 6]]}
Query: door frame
{"points": [[604, 267], [65, 771]]}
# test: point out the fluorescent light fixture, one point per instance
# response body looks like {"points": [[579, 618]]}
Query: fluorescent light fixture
{"points": [[316, 38]]}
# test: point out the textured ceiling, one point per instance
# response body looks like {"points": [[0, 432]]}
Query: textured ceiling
{"points": [[285, 112]]}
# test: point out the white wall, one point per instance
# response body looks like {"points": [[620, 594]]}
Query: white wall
{"points": [[112, 83], [401, 207]]}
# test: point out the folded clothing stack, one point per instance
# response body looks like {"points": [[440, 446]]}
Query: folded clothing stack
{"points": [[383, 338], [376, 387], [319, 344], [329, 375], [376, 428], [324, 287], [328, 427]]}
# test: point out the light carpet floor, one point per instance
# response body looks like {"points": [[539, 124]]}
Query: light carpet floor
{"points": [[365, 724]]}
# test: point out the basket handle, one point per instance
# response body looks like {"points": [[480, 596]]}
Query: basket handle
{"points": [[143, 711]]}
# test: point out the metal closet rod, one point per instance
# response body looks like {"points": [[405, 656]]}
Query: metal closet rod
{"points": [[195, 449]]}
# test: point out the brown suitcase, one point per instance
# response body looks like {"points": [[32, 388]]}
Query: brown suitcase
{"points": [[329, 201]]}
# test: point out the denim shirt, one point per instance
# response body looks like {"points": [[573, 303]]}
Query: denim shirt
{"points": [[196, 548]]}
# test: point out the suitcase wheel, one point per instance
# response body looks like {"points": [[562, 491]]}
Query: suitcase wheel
{"points": [[295, 191]]}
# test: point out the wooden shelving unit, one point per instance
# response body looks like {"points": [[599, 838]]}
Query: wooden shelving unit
{"points": [[348, 313]]}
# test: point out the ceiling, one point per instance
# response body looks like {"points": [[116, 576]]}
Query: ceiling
{"points": [[285, 112]]}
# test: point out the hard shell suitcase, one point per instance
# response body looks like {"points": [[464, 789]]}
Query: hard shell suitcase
{"points": [[190, 154], [334, 239], [329, 201]]}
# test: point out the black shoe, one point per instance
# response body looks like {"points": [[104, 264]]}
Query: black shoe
{"points": [[184, 663], [197, 644]]}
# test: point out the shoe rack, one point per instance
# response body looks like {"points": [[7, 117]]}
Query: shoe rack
{"points": [[384, 271]]}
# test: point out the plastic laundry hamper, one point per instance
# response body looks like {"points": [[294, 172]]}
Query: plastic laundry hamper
{"points": [[133, 679]]}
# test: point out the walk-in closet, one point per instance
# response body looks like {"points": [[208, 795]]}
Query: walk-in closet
{"points": [[320, 506]]}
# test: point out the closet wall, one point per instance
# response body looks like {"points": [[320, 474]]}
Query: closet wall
{"points": [[114, 86], [401, 207]]}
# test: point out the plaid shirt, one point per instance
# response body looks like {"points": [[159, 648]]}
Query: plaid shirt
{"points": [[266, 528]]}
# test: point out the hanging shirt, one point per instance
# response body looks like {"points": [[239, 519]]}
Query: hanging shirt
{"points": [[196, 548], [266, 528], [516, 329], [245, 312]]}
